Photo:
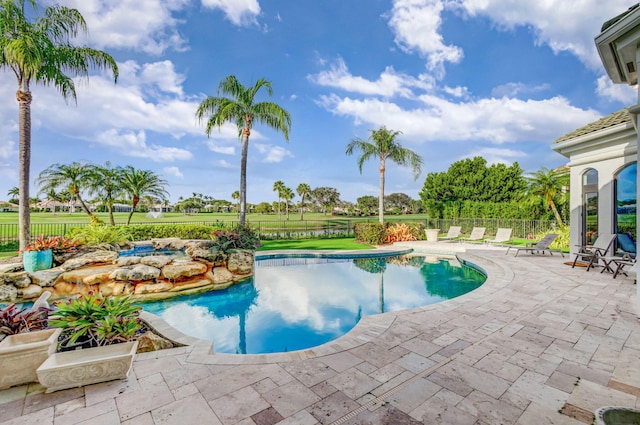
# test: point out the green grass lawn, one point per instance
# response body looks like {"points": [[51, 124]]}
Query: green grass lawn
{"points": [[333, 243]]}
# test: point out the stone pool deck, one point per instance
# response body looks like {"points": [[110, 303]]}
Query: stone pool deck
{"points": [[539, 343]]}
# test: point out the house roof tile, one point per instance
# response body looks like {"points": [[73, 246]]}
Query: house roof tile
{"points": [[619, 117]]}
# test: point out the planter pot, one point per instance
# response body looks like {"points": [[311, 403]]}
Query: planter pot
{"points": [[37, 260], [21, 354], [615, 415], [432, 234], [78, 368]]}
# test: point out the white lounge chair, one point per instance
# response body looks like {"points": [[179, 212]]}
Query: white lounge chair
{"points": [[502, 235], [591, 253], [477, 233], [453, 233]]}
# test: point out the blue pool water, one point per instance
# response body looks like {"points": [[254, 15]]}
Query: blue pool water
{"points": [[297, 303]]}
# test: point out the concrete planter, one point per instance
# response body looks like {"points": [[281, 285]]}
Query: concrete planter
{"points": [[615, 415], [21, 354], [78, 368], [432, 234]]}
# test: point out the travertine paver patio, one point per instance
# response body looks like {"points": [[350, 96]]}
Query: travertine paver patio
{"points": [[539, 343]]}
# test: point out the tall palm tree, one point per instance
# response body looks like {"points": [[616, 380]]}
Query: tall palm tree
{"points": [[382, 144], [37, 48], [242, 109], [279, 187], [303, 190], [106, 182], [14, 192], [236, 197], [287, 195], [140, 183], [73, 178], [546, 184]]}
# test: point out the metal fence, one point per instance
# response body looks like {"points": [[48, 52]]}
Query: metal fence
{"points": [[314, 229]]}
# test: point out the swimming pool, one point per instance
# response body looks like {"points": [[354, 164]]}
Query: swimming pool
{"points": [[297, 303]]}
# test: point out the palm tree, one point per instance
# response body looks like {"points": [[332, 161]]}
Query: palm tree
{"points": [[140, 183], [236, 197], [279, 187], [105, 181], [383, 146], [546, 184], [242, 109], [303, 190], [14, 192], [287, 195], [37, 49], [73, 178]]}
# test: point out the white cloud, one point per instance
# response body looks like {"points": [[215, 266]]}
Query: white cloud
{"points": [[563, 26], [515, 89], [134, 144], [173, 171], [163, 75], [239, 12], [223, 163], [224, 150], [143, 25], [616, 92], [416, 25], [497, 155], [388, 84], [493, 120], [273, 154]]}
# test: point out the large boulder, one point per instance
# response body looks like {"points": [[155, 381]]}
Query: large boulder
{"points": [[89, 275], [128, 260], [240, 262], [30, 292], [179, 269], [152, 288], [157, 261], [8, 293], [221, 275], [149, 341], [171, 244], [17, 279], [95, 257], [47, 277], [139, 272]]}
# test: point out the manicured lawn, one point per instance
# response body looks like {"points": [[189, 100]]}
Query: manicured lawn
{"points": [[333, 243]]}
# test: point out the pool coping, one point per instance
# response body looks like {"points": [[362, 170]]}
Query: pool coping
{"points": [[367, 329]]}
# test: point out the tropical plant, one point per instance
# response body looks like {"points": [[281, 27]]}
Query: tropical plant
{"points": [[73, 178], [139, 183], [326, 197], [383, 145], [236, 197], [14, 321], [242, 109], [240, 237], [107, 237], [105, 181], [546, 184], [55, 243], [279, 187], [37, 49], [102, 320], [398, 232], [303, 190], [13, 193]]}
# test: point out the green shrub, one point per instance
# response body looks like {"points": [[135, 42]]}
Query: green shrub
{"points": [[417, 230], [102, 320], [145, 232], [369, 233], [240, 237], [563, 239], [9, 246], [109, 237]]}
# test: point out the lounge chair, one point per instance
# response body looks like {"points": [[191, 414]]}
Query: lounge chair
{"points": [[539, 247], [477, 233], [592, 253], [620, 265], [453, 233], [502, 235]]}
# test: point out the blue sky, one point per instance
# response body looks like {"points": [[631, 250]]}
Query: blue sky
{"points": [[459, 78]]}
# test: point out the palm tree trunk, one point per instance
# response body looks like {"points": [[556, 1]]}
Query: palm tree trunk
{"points": [[24, 157], [243, 175], [84, 206], [555, 212], [134, 204], [302, 208], [111, 219], [381, 199]]}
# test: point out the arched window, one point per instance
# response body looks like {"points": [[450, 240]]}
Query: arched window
{"points": [[589, 206], [625, 208]]}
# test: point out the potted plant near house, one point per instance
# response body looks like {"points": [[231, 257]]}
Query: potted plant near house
{"points": [[38, 255]]}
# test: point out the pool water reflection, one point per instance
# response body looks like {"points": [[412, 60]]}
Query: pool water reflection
{"points": [[297, 303]]}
